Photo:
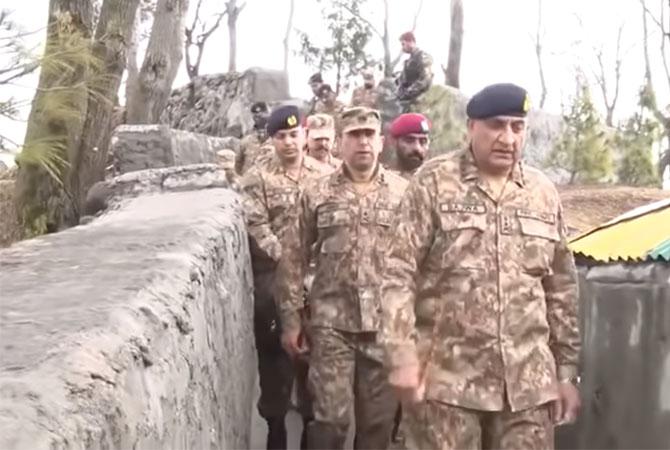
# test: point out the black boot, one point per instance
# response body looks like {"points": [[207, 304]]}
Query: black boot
{"points": [[276, 433]]}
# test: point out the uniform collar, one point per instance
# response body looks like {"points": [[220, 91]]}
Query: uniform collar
{"points": [[470, 172], [343, 176]]}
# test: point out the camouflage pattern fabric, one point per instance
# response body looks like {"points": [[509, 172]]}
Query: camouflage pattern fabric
{"points": [[417, 75], [435, 425], [363, 96], [481, 294], [252, 151]]}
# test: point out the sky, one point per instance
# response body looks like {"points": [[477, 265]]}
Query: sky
{"points": [[498, 44]]}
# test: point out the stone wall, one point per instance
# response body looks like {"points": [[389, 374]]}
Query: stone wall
{"points": [[135, 330], [218, 105], [139, 147]]}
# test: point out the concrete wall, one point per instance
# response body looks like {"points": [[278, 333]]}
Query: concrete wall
{"points": [[625, 318], [135, 330]]}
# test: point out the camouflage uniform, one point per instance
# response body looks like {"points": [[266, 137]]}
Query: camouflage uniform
{"points": [[482, 295], [417, 75], [270, 197], [344, 229], [253, 149], [364, 96], [334, 109]]}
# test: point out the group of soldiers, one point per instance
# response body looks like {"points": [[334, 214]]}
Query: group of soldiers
{"points": [[442, 285]]}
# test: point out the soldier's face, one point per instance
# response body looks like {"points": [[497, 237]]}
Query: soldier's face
{"points": [[411, 150], [359, 149], [315, 87], [289, 144], [407, 46], [320, 146], [497, 142]]}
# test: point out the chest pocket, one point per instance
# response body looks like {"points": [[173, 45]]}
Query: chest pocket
{"points": [[333, 222], [281, 200], [539, 235], [462, 240]]}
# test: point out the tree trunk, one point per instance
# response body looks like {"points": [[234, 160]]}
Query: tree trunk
{"points": [[289, 27], [233, 12], [131, 64], [538, 54], [161, 63], [453, 69], [388, 67], [51, 135], [112, 34]]}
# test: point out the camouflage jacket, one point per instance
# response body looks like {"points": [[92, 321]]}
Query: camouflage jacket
{"points": [[417, 75], [252, 150], [482, 295], [269, 199], [334, 110], [363, 96], [341, 232]]}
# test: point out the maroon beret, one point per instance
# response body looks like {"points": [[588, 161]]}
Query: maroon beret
{"points": [[408, 36], [409, 123]]}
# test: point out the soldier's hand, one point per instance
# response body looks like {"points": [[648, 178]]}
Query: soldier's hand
{"points": [[290, 341], [564, 410], [408, 383]]}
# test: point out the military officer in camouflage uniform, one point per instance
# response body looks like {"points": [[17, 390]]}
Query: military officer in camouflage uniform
{"points": [[257, 145], [343, 219], [270, 192], [368, 94], [328, 102], [417, 73], [320, 139], [480, 293], [410, 136]]}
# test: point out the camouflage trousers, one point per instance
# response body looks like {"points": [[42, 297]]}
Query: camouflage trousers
{"points": [[346, 371], [436, 425], [275, 368]]}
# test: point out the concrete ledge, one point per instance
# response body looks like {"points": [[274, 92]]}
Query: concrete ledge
{"points": [[139, 147], [134, 331]]}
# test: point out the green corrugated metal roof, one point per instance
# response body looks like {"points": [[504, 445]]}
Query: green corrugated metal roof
{"points": [[662, 251]]}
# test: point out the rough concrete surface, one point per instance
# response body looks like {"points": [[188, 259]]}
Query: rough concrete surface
{"points": [[219, 104], [139, 147], [134, 331]]}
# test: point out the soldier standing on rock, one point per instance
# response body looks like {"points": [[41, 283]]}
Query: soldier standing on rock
{"points": [[480, 293], [366, 95], [257, 144], [417, 73], [270, 192], [342, 221], [410, 135]]}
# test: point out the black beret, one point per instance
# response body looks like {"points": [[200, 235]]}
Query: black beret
{"points": [[504, 99], [259, 107], [316, 78], [283, 118]]}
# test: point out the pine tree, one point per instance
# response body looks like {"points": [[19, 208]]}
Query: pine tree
{"points": [[635, 142], [583, 148]]}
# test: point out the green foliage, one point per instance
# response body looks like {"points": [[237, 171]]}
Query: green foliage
{"points": [[345, 53], [635, 142], [583, 149], [441, 106]]}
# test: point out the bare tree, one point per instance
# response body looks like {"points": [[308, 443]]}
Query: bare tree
{"points": [[453, 69], [140, 32], [389, 64], [198, 40], [289, 27], [538, 54], [610, 99], [648, 93], [161, 62], [233, 12]]}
